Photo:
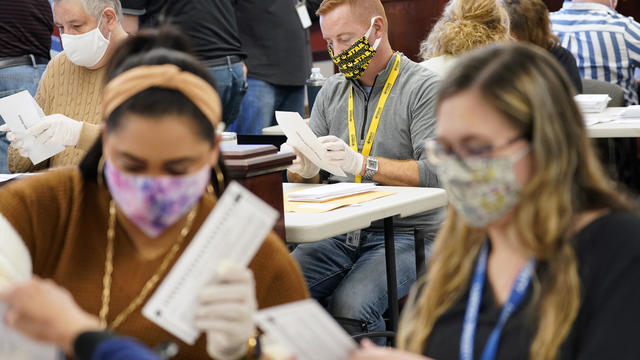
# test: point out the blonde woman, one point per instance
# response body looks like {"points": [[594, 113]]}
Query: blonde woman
{"points": [[464, 26], [539, 257]]}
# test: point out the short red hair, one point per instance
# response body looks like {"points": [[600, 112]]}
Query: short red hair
{"points": [[364, 8]]}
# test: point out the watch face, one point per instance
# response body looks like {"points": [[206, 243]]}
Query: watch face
{"points": [[372, 163]]}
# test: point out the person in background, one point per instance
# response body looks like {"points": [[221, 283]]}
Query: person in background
{"points": [[278, 59], [539, 253], [605, 44], [46, 312], [530, 22], [70, 91], [142, 192], [347, 273], [212, 29], [464, 26], [25, 35]]}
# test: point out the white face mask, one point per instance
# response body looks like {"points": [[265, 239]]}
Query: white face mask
{"points": [[86, 49]]}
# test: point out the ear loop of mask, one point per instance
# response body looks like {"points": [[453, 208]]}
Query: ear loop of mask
{"points": [[377, 42], [100, 31]]}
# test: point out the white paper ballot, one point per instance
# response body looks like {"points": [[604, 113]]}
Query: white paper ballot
{"points": [[233, 232], [307, 330], [300, 136], [15, 267], [20, 112]]}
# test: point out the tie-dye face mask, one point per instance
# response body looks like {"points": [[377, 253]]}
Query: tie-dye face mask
{"points": [[154, 203]]}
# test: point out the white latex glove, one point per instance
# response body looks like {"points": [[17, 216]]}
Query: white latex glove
{"points": [[340, 154], [226, 311], [17, 140], [301, 165], [56, 129]]}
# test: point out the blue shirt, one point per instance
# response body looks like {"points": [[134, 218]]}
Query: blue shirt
{"points": [[606, 45]]}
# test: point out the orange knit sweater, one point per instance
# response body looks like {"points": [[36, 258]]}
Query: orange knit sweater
{"points": [[73, 91], [63, 222]]}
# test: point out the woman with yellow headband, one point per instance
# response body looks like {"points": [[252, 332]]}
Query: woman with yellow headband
{"points": [[110, 230]]}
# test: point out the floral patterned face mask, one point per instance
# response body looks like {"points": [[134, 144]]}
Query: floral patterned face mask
{"points": [[482, 189], [154, 203]]}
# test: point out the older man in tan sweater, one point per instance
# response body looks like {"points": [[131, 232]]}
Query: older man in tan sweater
{"points": [[70, 91]]}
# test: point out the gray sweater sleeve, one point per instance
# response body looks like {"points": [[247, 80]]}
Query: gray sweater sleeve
{"points": [[423, 122]]}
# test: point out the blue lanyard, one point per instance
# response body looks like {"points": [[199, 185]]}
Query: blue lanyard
{"points": [[518, 293]]}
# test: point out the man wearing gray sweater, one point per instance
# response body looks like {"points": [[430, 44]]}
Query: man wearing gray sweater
{"points": [[373, 119]]}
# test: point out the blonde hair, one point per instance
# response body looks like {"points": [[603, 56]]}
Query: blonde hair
{"points": [[366, 9], [466, 25], [533, 93]]}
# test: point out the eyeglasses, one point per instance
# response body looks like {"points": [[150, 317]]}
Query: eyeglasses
{"points": [[436, 152]]}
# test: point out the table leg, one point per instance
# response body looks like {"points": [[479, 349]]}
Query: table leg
{"points": [[392, 282], [418, 235]]}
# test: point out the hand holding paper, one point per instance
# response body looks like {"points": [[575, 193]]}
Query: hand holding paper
{"points": [[225, 312], [341, 155], [307, 330], [19, 140], [21, 112], [46, 312], [301, 165], [233, 232], [56, 129], [300, 137]]}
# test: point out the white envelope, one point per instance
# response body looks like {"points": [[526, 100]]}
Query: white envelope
{"points": [[20, 112], [300, 136]]}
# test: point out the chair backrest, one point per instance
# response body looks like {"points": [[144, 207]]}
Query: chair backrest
{"points": [[616, 93]]}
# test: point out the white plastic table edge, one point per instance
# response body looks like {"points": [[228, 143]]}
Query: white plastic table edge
{"points": [[618, 128], [407, 201]]}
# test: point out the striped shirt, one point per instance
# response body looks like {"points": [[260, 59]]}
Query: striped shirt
{"points": [[606, 45]]}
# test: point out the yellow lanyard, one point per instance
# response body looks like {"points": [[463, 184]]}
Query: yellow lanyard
{"points": [[353, 140]]}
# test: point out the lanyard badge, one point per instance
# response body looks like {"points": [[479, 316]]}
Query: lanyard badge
{"points": [[518, 293], [303, 14]]}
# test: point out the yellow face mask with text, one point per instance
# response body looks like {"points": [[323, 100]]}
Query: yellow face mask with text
{"points": [[353, 61]]}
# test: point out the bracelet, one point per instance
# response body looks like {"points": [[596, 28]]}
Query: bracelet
{"points": [[254, 350]]}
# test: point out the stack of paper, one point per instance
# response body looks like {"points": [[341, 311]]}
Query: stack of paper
{"points": [[328, 192], [630, 112], [592, 103]]}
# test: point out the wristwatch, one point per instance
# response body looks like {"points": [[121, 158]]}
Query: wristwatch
{"points": [[371, 169]]}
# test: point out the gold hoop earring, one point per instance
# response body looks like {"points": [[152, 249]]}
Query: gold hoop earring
{"points": [[100, 171], [219, 177]]}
